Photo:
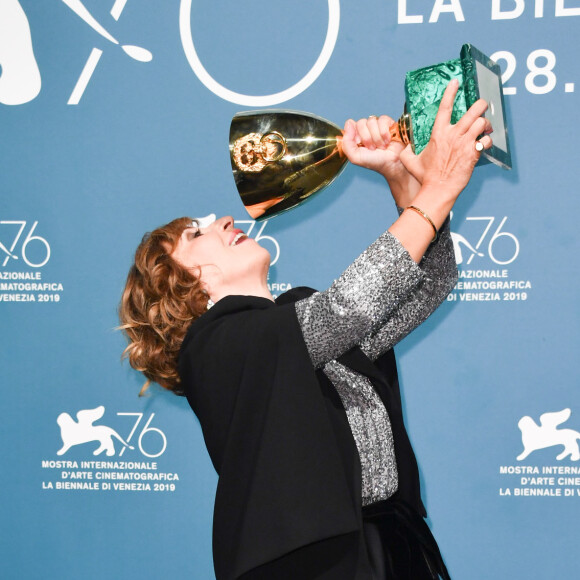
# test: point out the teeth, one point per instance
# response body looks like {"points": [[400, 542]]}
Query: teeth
{"points": [[237, 238]]}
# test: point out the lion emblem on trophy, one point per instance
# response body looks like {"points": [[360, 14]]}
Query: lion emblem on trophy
{"points": [[546, 434], [83, 431]]}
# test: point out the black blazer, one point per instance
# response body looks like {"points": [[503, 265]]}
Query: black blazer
{"points": [[288, 501]]}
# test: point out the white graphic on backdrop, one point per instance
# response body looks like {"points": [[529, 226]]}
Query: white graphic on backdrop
{"points": [[515, 8], [547, 434], [487, 240], [35, 250], [136, 52], [458, 242], [502, 247], [20, 79], [19, 242], [265, 100], [83, 431], [439, 7], [111, 473], [551, 480], [541, 78]]}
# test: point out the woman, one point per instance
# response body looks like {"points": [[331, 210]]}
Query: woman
{"points": [[298, 399]]}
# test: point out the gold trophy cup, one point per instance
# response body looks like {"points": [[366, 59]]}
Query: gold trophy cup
{"points": [[281, 158]]}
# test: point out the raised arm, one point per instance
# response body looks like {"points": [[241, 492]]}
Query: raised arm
{"points": [[385, 294], [439, 277], [430, 181], [357, 303]]}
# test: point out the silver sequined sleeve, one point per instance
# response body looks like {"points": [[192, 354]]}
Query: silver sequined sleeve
{"points": [[378, 300], [369, 291], [440, 275]]}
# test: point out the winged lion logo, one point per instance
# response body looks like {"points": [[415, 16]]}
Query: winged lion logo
{"points": [[83, 431], [546, 434]]}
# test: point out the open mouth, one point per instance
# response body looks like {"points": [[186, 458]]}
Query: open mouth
{"points": [[238, 239]]}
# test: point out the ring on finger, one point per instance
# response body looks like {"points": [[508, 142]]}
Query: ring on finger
{"points": [[373, 117], [479, 147]]}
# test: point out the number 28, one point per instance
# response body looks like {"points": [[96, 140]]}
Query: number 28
{"points": [[537, 71]]}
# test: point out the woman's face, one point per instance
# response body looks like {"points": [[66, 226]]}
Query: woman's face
{"points": [[225, 254]]}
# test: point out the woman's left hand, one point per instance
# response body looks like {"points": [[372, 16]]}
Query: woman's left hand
{"points": [[368, 143]]}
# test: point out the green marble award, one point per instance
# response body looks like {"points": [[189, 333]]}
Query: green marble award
{"points": [[281, 158], [479, 77]]}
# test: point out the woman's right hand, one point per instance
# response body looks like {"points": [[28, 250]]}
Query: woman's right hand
{"points": [[368, 143], [449, 158]]}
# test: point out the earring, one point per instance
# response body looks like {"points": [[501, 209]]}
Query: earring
{"points": [[210, 303]]}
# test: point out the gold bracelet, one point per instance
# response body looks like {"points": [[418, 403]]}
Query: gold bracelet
{"points": [[424, 215]]}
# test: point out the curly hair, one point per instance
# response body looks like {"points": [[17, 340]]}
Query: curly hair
{"points": [[160, 300]]}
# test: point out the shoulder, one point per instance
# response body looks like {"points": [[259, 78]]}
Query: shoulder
{"points": [[230, 312], [231, 330]]}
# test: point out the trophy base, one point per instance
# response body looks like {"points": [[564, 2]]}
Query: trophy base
{"points": [[402, 130]]}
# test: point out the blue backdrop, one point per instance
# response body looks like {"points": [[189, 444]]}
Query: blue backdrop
{"points": [[115, 117]]}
